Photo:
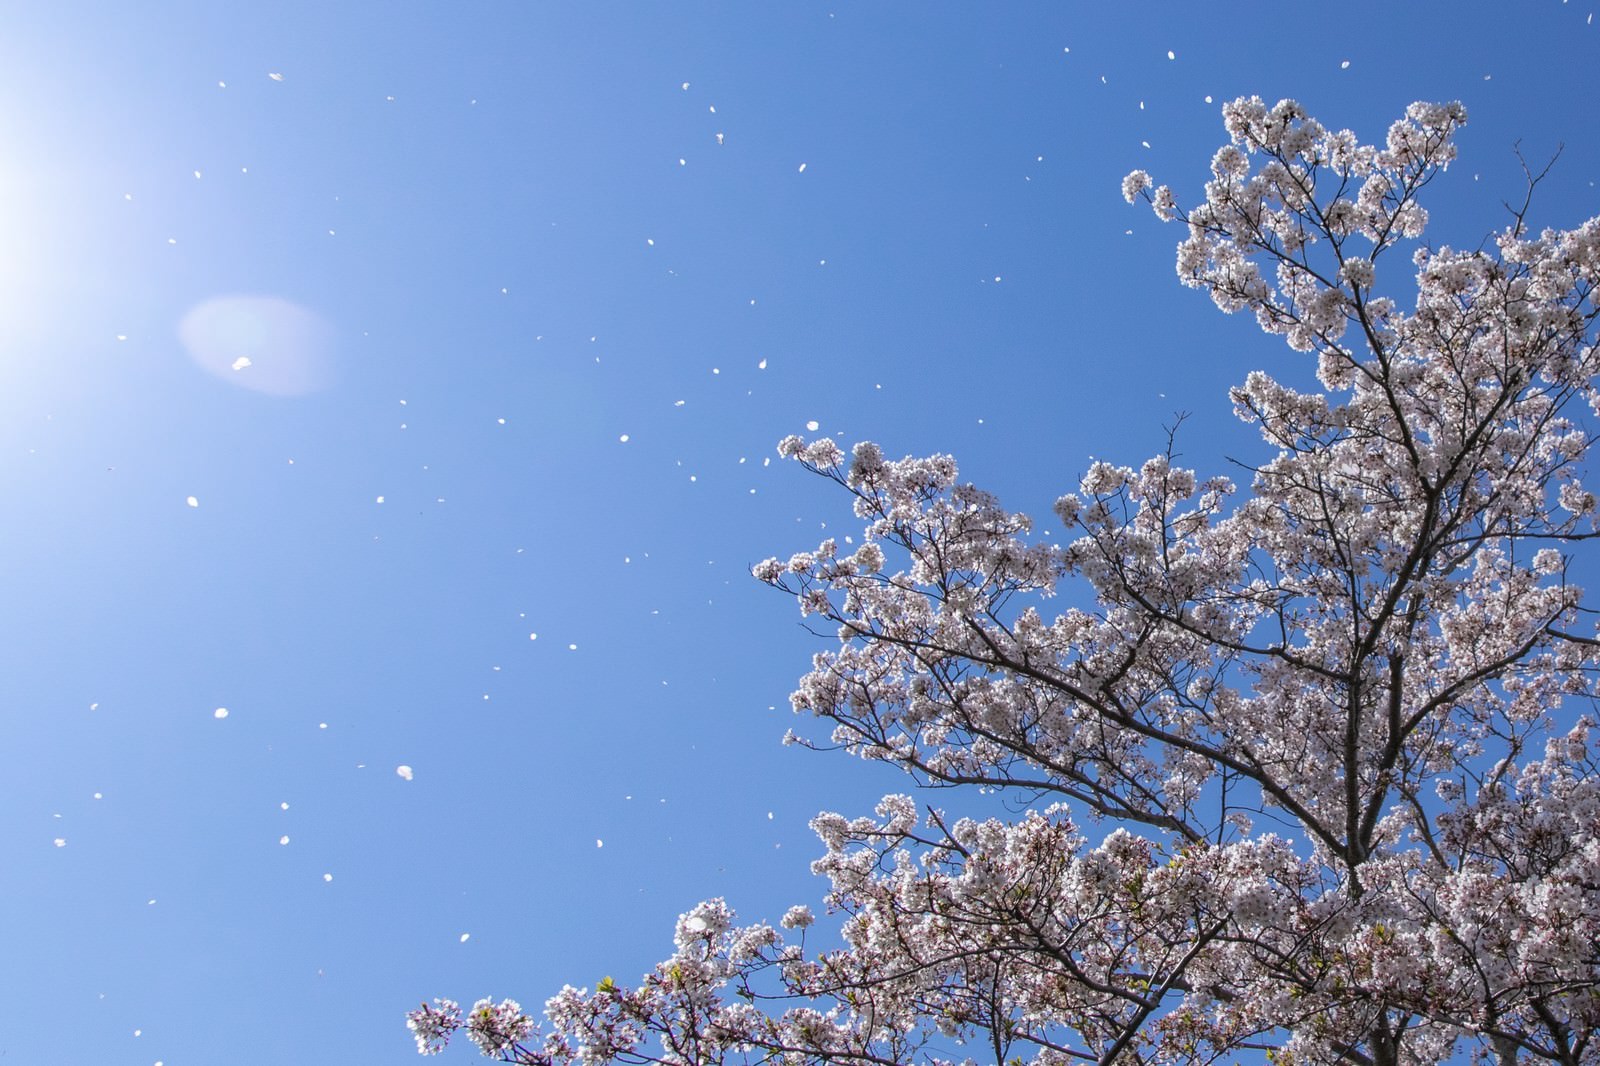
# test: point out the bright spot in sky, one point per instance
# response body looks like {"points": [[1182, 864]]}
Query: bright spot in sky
{"points": [[812, 425], [465, 937], [220, 712], [283, 840], [275, 76], [404, 771], [192, 501], [288, 349]]}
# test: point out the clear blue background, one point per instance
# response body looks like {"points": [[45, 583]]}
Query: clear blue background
{"points": [[468, 195]]}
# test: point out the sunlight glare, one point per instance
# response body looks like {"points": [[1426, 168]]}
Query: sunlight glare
{"points": [[264, 343]]}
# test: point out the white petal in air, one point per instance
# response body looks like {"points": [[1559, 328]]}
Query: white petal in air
{"points": [[404, 771]]}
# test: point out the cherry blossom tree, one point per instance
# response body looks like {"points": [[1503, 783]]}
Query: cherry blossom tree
{"points": [[1308, 771]]}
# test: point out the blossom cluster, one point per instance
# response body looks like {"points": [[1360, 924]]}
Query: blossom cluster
{"points": [[1361, 650]]}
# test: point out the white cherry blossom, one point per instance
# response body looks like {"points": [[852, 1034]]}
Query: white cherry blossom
{"points": [[1306, 769]]}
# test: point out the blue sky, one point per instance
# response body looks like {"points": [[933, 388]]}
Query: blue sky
{"points": [[467, 250]]}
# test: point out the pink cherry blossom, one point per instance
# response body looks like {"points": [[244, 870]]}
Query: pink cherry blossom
{"points": [[1302, 764]]}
